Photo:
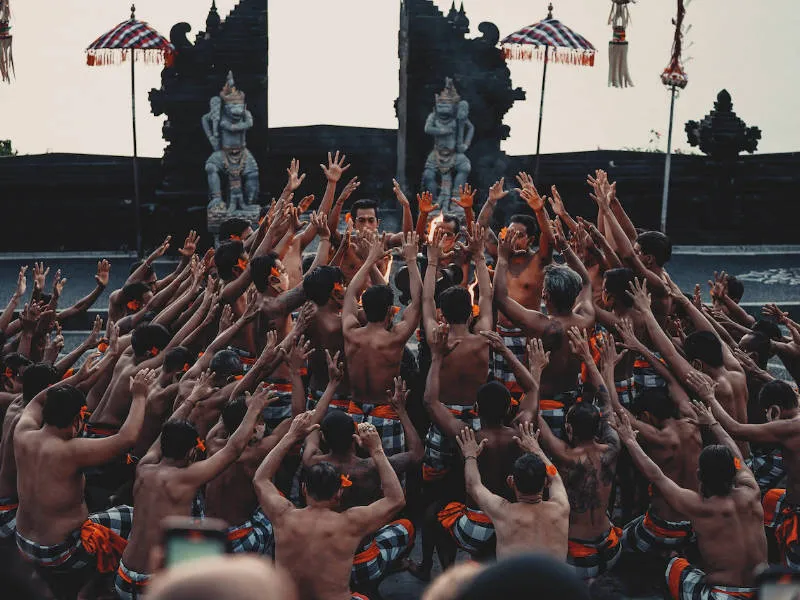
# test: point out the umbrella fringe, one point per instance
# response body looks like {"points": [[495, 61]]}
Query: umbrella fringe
{"points": [[566, 56], [101, 57]]}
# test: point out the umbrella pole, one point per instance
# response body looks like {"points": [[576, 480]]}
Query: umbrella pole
{"points": [[668, 164], [137, 216], [541, 110]]}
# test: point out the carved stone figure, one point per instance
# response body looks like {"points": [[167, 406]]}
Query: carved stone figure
{"points": [[225, 126], [452, 132]]}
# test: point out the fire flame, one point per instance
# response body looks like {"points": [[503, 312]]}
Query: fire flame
{"points": [[471, 289], [432, 225]]}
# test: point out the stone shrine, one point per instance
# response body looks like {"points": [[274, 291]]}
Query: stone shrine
{"points": [[721, 134]]}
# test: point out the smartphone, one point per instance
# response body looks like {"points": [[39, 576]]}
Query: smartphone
{"points": [[778, 583], [187, 539]]}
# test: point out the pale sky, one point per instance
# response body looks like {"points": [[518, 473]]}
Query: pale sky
{"points": [[336, 63]]}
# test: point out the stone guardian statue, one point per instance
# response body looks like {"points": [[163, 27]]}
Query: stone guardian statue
{"points": [[452, 133]]}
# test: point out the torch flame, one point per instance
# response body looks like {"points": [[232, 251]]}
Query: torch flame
{"points": [[437, 220], [471, 289]]}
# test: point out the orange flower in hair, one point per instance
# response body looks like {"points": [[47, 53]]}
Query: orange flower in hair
{"points": [[201, 445], [102, 347], [236, 238], [261, 220], [348, 218], [395, 310], [185, 367], [338, 287], [8, 373], [154, 351], [551, 471], [346, 482], [85, 413], [275, 273], [503, 232], [242, 264], [69, 373], [238, 377], [737, 463], [134, 305]]}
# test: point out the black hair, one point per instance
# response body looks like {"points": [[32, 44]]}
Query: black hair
{"points": [[61, 405], [319, 283], [338, 428], [530, 224], [453, 220], [16, 362], [37, 378], [529, 474], [322, 480], [493, 401], [233, 413], [656, 402], [308, 260], [617, 282], [760, 344], [584, 418], [226, 363], [777, 393], [148, 270], [735, 288], [705, 346], [134, 291], [226, 258], [656, 244], [232, 226], [261, 269], [716, 470], [768, 328], [176, 358], [562, 285], [364, 204], [146, 337], [376, 301], [178, 437], [456, 305]]}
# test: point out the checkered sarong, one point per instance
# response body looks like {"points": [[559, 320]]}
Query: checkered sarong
{"points": [[385, 420], [440, 450], [339, 401], [71, 554], [591, 558], [651, 533], [8, 517], [281, 409], [130, 584], [686, 582], [554, 410], [784, 521], [515, 340], [768, 468], [254, 535], [374, 557], [626, 391], [472, 529], [645, 376]]}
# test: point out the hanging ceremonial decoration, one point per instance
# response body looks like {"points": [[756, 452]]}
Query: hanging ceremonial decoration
{"points": [[618, 73], [674, 76], [6, 55]]}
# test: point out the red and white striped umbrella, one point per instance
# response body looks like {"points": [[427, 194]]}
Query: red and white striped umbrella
{"points": [[114, 46], [565, 46]]}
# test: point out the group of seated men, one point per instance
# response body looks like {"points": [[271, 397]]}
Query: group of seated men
{"points": [[564, 396]]}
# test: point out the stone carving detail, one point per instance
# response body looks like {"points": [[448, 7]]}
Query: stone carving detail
{"points": [[721, 134]]}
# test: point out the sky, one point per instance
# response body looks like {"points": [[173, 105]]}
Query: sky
{"points": [[336, 63]]}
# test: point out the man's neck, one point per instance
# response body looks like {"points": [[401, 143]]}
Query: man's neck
{"points": [[65, 433], [173, 462], [459, 329], [376, 326], [529, 499]]}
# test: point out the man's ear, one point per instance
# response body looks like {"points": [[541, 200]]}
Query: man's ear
{"points": [[510, 482]]}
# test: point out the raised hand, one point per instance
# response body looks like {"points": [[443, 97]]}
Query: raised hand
{"points": [[336, 167], [525, 181], [321, 225], [470, 448], [772, 310], [622, 425], [697, 298], [305, 203], [226, 318], [538, 359], [627, 334], [440, 344], [103, 273], [398, 193], [189, 244], [141, 382], [299, 354], [579, 344], [425, 203], [559, 239], [702, 385], [295, 179], [203, 387], [113, 341], [556, 203], [302, 425], [609, 357], [639, 294], [30, 315], [494, 340], [475, 235], [532, 197], [410, 246], [528, 438], [348, 190], [58, 284], [335, 366], [466, 196], [262, 397], [39, 275], [703, 416], [94, 336], [22, 282], [398, 397], [496, 192], [160, 250], [718, 287], [367, 437], [376, 245], [436, 248], [506, 247], [208, 260]]}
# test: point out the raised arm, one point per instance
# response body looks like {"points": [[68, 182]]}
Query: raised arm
{"points": [[408, 220], [496, 193], [476, 236], [19, 292], [529, 403], [336, 213], [489, 503], [435, 251], [536, 202], [416, 450], [528, 441], [560, 210], [438, 412], [410, 321], [82, 305], [425, 206]]}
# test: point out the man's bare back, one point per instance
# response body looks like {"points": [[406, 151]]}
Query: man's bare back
{"points": [[373, 360]]}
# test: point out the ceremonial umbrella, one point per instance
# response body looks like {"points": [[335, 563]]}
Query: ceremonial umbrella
{"points": [[134, 40], [548, 40]]}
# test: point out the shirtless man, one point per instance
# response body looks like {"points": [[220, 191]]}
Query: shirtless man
{"points": [[36, 378], [324, 286], [166, 483], [316, 544], [782, 429], [568, 299], [463, 522], [393, 540], [374, 351], [726, 514], [54, 527], [525, 267], [672, 442], [704, 352], [463, 371], [589, 462], [528, 524]]}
